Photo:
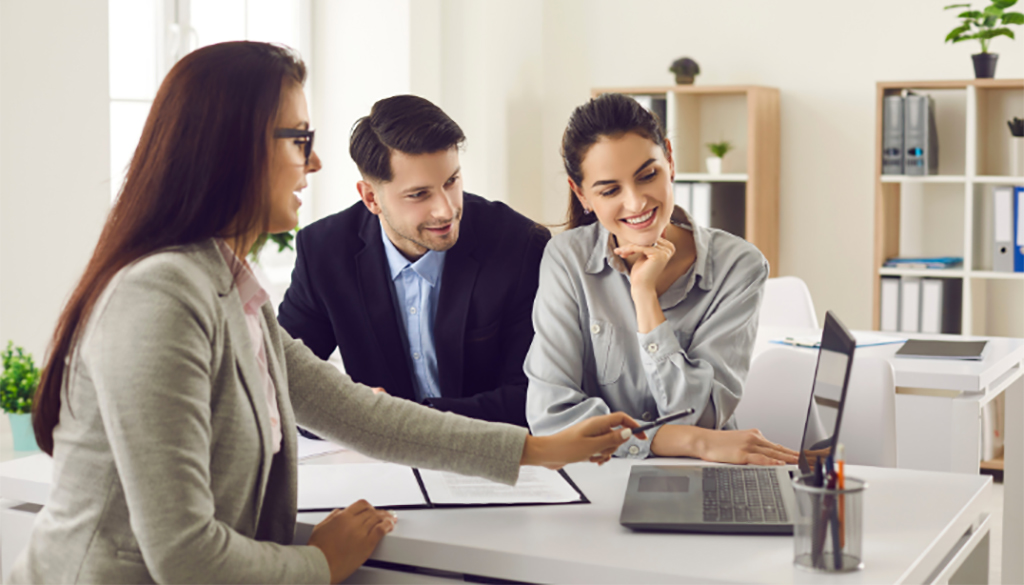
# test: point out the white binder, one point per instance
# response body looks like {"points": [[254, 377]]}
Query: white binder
{"points": [[701, 204], [890, 318], [1002, 229], [910, 304], [682, 196]]}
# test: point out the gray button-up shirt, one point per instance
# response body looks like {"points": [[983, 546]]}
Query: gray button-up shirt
{"points": [[588, 359]]}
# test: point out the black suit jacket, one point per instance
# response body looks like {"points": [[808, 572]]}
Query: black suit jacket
{"points": [[341, 295]]}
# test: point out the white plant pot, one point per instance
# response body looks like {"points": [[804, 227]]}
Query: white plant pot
{"points": [[1017, 156], [714, 165]]}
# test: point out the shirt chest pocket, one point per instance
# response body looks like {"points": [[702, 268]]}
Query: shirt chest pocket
{"points": [[609, 354]]}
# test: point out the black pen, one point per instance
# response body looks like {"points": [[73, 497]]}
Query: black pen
{"points": [[662, 420]]}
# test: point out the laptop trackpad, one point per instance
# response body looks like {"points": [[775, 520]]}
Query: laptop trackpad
{"points": [[655, 483]]}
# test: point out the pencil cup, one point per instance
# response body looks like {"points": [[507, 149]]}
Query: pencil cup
{"points": [[827, 530]]}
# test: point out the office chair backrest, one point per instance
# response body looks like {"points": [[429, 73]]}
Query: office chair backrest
{"points": [[778, 390], [787, 303]]}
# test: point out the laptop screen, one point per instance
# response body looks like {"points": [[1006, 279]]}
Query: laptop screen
{"points": [[828, 393]]}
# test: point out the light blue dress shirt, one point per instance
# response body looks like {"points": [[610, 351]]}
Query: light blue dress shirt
{"points": [[588, 359], [417, 290]]}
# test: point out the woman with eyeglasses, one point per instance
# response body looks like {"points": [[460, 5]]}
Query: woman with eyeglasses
{"points": [[170, 395]]}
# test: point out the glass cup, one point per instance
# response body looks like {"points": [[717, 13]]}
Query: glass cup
{"points": [[828, 528]]}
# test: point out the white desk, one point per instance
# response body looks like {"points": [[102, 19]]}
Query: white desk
{"points": [[938, 418], [918, 527]]}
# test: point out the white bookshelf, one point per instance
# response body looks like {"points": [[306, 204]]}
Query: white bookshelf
{"points": [[950, 213]]}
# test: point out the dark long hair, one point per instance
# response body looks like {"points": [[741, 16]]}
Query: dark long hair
{"points": [[610, 114], [200, 170]]}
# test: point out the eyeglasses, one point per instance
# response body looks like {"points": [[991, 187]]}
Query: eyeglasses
{"points": [[303, 137]]}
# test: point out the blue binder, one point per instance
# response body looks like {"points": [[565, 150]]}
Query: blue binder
{"points": [[1018, 229]]}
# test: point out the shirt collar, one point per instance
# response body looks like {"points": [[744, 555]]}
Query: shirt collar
{"points": [[429, 265], [602, 254], [252, 295]]}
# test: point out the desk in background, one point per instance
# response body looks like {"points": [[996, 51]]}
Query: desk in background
{"points": [[938, 418]]}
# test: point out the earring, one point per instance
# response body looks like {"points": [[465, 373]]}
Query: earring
{"points": [[587, 211]]}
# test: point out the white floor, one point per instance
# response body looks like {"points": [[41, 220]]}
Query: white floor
{"points": [[7, 453]]}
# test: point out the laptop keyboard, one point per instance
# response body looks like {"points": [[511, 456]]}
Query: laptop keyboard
{"points": [[750, 496]]}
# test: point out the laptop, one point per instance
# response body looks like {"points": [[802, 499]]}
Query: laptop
{"points": [[746, 499]]}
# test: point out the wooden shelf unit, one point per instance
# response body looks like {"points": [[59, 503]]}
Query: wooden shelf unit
{"points": [[993, 302], [747, 116]]}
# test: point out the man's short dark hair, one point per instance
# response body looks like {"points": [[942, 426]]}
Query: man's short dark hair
{"points": [[405, 123]]}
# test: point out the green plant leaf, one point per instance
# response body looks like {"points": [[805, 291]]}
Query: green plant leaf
{"points": [[972, 14], [1013, 18], [951, 6], [1004, 4], [993, 11], [995, 32], [956, 32]]}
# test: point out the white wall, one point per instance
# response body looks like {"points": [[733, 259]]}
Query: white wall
{"points": [[360, 54], [54, 158], [824, 57]]}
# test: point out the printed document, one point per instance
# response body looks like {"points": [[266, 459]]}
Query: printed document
{"points": [[384, 485], [536, 485]]}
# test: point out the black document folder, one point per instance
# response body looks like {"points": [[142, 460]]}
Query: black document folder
{"points": [[942, 350]]}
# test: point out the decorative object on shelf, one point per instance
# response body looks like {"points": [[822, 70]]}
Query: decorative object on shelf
{"points": [[939, 262], [984, 25], [1016, 146], [719, 150], [685, 69], [283, 240], [17, 386]]}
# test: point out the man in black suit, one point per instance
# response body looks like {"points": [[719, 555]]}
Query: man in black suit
{"points": [[427, 291]]}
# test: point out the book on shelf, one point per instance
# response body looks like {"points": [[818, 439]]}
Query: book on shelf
{"points": [[933, 262]]}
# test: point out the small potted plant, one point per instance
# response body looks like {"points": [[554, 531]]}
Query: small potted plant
{"points": [[685, 69], [17, 386], [984, 25], [718, 150]]}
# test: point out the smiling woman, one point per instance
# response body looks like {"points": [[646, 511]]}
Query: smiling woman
{"points": [[639, 309], [170, 397]]}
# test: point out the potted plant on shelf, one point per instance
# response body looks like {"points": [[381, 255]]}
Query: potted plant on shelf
{"points": [[984, 25], [718, 150], [685, 69], [17, 386]]}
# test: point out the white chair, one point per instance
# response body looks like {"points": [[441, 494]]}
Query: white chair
{"points": [[778, 391], [787, 303]]}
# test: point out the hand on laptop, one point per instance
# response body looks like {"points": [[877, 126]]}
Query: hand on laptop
{"points": [[744, 447], [594, 439]]}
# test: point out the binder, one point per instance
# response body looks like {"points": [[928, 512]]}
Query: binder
{"points": [[1018, 243], [892, 135], [1002, 229], [940, 305], [920, 139], [910, 304], [682, 196], [890, 309], [701, 204], [655, 104]]}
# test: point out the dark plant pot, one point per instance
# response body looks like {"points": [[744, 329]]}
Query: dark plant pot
{"points": [[985, 65]]}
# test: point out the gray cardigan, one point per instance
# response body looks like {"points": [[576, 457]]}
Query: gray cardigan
{"points": [[163, 465]]}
